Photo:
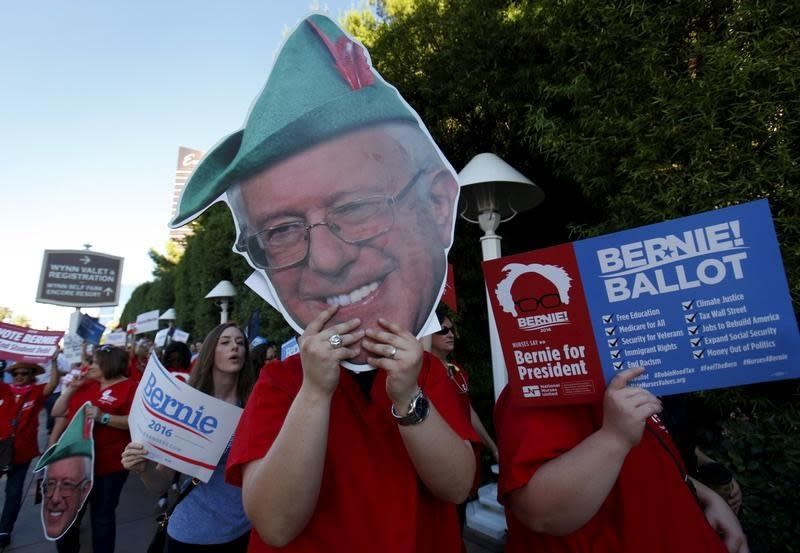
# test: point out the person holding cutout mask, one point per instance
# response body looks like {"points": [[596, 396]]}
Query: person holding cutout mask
{"points": [[67, 470], [110, 394], [65, 487], [345, 207]]}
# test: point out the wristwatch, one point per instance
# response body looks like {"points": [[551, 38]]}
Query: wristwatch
{"points": [[417, 411], [105, 418]]}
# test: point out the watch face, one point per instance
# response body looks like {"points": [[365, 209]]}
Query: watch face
{"points": [[421, 408], [419, 411]]}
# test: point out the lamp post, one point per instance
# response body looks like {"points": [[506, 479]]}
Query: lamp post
{"points": [[169, 315], [222, 294], [493, 192]]}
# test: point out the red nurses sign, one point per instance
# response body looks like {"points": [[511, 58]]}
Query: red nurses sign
{"points": [[542, 320]]}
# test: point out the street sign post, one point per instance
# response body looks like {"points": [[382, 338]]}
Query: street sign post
{"points": [[79, 278]]}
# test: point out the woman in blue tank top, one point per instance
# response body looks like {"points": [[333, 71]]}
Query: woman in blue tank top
{"points": [[210, 518]]}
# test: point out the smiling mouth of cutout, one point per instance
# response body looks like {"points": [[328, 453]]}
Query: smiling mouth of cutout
{"points": [[356, 295]]}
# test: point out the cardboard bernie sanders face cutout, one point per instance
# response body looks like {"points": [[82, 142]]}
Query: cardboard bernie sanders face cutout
{"points": [[68, 467], [339, 194]]}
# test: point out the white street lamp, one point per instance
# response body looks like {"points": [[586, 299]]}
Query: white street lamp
{"points": [[163, 339], [168, 315], [493, 192], [222, 294]]}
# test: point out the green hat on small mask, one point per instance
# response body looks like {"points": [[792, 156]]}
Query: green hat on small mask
{"points": [[75, 441], [321, 86]]}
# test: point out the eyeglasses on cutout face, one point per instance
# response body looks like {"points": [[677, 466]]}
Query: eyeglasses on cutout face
{"points": [[548, 301], [67, 488], [445, 330], [286, 245]]}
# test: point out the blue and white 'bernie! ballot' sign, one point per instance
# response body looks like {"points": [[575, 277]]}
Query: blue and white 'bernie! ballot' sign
{"points": [[701, 302], [181, 427]]}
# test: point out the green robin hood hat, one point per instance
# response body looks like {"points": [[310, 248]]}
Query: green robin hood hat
{"points": [[75, 441], [321, 86]]}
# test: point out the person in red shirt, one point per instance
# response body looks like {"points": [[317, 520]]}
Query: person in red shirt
{"points": [[111, 395], [346, 207], [604, 478], [442, 346], [331, 460], [21, 405], [6, 409], [138, 360]]}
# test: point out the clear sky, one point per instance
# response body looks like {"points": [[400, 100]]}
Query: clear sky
{"points": [[95, 98]]}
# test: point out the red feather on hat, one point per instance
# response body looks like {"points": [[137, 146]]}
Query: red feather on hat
{"points": [[88, 426], [350, 59]]}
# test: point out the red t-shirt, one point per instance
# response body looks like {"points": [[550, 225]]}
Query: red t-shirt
{"points": [[183, 376], [6, 409], [108, 442], [27, 401], [135, 369], [371, 498], [460, 381], [649, 508]]}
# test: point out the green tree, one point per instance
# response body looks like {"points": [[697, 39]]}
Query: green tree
{"points": [[625, 113], [21, 320]]}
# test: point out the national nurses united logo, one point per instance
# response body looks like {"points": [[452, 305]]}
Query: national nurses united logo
{"points": [[535, 295], [531, 391], [107, 397]]}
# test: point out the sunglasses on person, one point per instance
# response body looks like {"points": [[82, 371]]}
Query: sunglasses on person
{"points": [[20, 373], [445, 330]]}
